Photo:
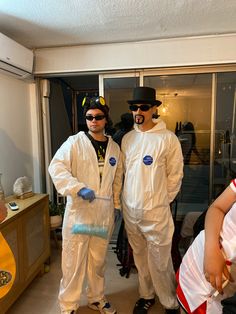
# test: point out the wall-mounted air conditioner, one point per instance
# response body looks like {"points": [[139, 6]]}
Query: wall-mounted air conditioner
{"points": [[15, 59]]}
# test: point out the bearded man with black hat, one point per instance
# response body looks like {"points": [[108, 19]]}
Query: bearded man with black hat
{"points": [[153, 171], [84, 169]]}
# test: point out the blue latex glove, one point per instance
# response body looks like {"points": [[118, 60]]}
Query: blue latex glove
{"points": [[86, 194]]}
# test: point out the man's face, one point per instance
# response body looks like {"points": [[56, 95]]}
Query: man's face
{"points": [[142, 113], [95, 120]]}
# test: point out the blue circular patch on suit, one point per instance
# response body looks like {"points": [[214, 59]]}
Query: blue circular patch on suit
{"points": [[147, 160], [112, 161]]}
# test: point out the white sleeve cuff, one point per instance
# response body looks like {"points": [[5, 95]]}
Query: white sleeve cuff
{"points": [[233, 185]]}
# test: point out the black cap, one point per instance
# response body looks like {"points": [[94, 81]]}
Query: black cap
{"points": [[95, 103]]}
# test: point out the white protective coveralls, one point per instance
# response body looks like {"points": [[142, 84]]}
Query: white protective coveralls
{"points": [[73, 167], [193, 289], [153, 169]]}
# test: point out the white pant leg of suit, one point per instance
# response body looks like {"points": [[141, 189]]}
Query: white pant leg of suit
{"points": [[155, 269], [96, 267], [73, 271], [89, 253]]}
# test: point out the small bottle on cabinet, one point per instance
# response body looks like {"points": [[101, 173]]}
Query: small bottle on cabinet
{"points": [[2, 194]]}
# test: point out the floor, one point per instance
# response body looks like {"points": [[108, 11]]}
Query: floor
{"points": [[41, 296]]}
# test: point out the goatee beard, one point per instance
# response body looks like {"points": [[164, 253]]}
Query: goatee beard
{"points": [[139, 119]]}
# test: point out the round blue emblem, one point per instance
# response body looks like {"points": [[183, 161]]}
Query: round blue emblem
{"points": [[147, 160], [112, 161]]}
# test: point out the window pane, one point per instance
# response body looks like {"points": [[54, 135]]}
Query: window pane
{"points": [[225, 148], [186, 109], [117, 91]]}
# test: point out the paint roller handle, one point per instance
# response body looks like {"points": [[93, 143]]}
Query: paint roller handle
{"points": [[105, 198]]}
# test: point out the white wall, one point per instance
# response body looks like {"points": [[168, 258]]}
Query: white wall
{"points": [[205, 50], [16, 152]]}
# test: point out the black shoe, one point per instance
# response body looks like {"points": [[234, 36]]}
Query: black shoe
{"points": [[172, 311], [143, 305]]}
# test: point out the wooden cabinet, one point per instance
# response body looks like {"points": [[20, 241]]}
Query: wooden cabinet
{"points": [[27, 232]]}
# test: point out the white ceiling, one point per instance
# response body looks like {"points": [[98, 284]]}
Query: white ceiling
{"points": [[51, 23]]}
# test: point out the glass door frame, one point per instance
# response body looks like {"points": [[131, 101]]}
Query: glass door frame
{"points": [[115, 74]]}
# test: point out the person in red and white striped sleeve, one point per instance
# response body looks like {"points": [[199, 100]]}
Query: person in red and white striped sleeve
{"points": [[207, 274]]}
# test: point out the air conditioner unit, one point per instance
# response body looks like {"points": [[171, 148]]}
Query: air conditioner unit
{"points": [[15, 59]]}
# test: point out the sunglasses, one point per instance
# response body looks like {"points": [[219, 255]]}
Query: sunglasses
{"points": [[144, 107], [97, 118]]}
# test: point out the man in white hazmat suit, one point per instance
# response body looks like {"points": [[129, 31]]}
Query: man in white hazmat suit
{"points": [[153, 170], [84, 169]]}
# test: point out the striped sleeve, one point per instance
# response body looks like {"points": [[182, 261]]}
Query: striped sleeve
{"points": [[233, 185]]}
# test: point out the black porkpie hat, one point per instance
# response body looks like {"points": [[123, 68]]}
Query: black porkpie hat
{"points": [[144, 95]]}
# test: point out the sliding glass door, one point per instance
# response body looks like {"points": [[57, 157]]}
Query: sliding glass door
{"points": [[186, 110], [225, 132], [200, 109], [117, 89]]}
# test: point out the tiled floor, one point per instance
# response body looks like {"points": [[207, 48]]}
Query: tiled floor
{"points": [[41, 296]]}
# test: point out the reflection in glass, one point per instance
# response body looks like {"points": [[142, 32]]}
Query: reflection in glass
{"points": [[186, 110], [117, 91], [225, 144]]}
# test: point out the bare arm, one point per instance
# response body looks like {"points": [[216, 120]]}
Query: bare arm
{"points": [[3, 211], [214, 261]]}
